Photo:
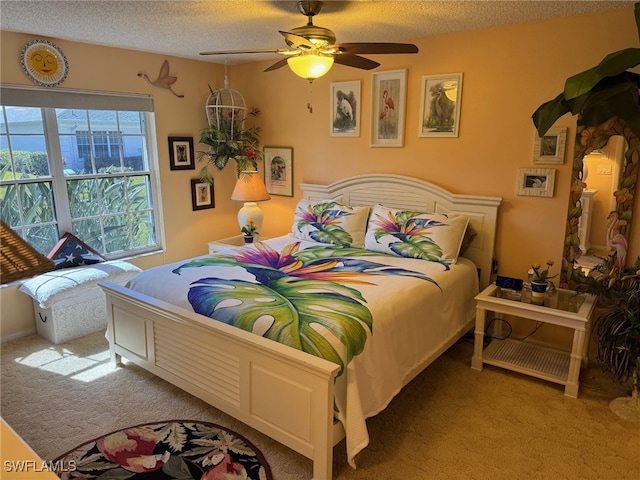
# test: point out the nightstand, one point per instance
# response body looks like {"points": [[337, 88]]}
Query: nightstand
{"points": [[224, 243], [564, 308]]}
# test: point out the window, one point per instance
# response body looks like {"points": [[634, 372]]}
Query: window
{"points": [[86, 171]]}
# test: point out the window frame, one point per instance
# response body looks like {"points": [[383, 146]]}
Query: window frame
{"points": [[13, 95]]}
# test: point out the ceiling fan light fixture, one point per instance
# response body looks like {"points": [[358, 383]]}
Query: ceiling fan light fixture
{"points": [[310, 66]]}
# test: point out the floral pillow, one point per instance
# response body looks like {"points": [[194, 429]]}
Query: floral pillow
{"points": [[328, 221], [430, 236]]}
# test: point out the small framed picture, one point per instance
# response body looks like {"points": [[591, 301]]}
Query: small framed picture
{"points": [[536, 182], [345, 109], [278, 175], [549, 149], [201, 194], [181, 155], [440, 105], [388, 104]]}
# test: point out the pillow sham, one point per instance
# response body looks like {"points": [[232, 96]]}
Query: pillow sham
{"points": [[328, 221], [430, 236]]}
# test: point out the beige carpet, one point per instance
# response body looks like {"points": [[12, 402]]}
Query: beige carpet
{"points": [[450, 423]]}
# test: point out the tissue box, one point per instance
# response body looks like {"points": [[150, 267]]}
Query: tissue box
{"points": [[69, 303]]}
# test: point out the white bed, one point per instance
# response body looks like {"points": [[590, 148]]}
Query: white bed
{"points": [[286, 393]]}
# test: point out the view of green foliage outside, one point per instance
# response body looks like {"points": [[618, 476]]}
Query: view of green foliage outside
{"points": [[108, 185]]}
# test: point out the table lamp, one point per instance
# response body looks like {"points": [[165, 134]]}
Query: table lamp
{"points": [[250, 189]]}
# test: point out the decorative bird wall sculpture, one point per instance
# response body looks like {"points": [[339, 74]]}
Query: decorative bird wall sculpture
{"points": [[164, 80]]}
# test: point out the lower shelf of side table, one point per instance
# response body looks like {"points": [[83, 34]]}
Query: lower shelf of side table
{"points": [[528, 358]]}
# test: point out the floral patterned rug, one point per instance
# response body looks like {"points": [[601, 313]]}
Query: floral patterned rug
{"points": [[176, 449]]}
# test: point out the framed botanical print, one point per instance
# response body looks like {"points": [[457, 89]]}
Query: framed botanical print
{"points": [[388, 105], [181, 155], [278, 175], [440, 105], [345, 109]]}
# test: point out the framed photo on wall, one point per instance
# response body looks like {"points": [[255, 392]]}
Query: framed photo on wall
{"points": [[345, 109], [440, 105], [388, 105], [278, 170], [181, 155], [549, 149], [201, 194], [536, 182]]}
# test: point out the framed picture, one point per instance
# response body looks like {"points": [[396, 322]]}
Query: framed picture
{"points": [[549, 149], [201, 194], [181, 156], [278, 166], [536, 182], [440, 105], [345, 109], [388, 104]]}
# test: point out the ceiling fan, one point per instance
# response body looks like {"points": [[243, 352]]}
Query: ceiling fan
{"points": [[313, 49]]}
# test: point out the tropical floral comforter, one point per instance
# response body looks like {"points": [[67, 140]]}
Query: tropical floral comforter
{"points": [[378, 316]]}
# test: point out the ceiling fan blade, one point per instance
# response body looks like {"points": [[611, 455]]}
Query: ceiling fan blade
{"points": [[233, 52], [277, 65], [297, 40], [355, 61], [376, 48]]}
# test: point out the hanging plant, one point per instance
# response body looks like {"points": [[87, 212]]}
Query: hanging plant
{"points": [[228, 136]]}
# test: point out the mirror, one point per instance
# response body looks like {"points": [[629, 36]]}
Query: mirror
{"points": [[601, 174], [581, 218]]}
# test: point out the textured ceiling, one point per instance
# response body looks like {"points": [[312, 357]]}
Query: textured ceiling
{"points": [[185, 28]]}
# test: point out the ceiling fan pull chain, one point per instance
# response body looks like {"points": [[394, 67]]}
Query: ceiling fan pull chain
{"points": [[310, 102]]}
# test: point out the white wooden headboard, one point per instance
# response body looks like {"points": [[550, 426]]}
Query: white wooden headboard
{"points": [[398, 191]]}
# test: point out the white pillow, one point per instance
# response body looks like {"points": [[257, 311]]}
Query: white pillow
{"points": [[406, 233], [328, 221], [57, 285]]}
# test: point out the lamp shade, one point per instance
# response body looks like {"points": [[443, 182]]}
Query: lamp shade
{"points": [[310, 66], [250, 188]]}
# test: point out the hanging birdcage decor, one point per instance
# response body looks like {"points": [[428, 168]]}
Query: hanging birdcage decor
{"points": [[225, 107], [227, 136]]}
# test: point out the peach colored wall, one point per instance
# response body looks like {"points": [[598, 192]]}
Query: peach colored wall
{"points": [[508, 72]]}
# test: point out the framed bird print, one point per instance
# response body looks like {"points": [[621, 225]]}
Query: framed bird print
{"points": [[181, 156], [388, 104], [345, 109], [440, 105]]}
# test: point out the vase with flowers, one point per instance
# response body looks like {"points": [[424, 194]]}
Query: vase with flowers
{"points": [[249, 231], [539, 278]]}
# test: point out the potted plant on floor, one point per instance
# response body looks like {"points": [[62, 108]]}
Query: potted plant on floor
{"points": [[617, 328]]}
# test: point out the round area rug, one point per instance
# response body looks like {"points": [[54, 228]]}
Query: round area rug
{"points": [[176, 449]]}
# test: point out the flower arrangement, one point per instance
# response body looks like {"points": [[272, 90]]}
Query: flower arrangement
{"points": [[250, 230], [231, 139], [542, 275]]}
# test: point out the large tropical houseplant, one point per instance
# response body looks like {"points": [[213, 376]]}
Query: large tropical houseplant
{"points": [[606, 101]]}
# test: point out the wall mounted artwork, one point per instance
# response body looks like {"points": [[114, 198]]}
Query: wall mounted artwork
{"points": [[345, 109], [440, 105], [388, 105], [536, 182]]}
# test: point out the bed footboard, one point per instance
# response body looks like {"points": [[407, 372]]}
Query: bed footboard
{"points": [[282, 392]]}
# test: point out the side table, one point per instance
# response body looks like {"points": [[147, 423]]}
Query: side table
{"points": [[564, 308], [224, 243]]}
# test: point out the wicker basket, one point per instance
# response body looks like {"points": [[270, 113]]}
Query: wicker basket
{"points": [[18, 258]]}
